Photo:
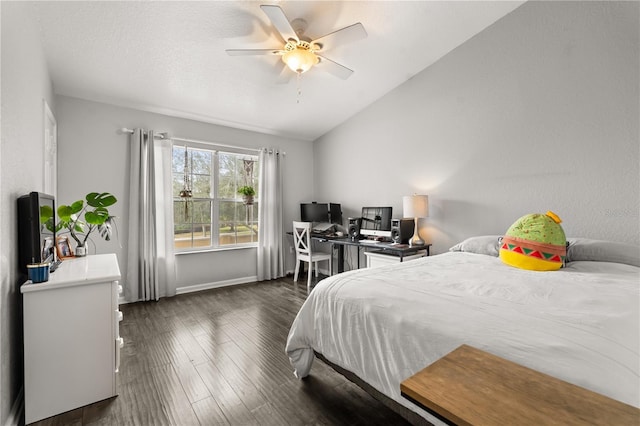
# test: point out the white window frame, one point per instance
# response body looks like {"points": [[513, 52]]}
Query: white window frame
{"points": [[215, 199]]}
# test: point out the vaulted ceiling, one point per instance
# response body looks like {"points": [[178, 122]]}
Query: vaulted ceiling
{"points": [[169, 57]]}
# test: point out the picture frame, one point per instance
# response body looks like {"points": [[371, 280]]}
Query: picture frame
{"points": [[63, 248]]}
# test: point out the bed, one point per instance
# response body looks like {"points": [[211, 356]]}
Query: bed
{"points": [[382, 325]]}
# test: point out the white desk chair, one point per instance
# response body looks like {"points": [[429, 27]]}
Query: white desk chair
{"points": [[304, 252]]}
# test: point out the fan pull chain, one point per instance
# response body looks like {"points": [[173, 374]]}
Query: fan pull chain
{"points": [[298, 90]]}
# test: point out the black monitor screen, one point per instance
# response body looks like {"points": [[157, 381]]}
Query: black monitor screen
{"points": [[314, 212], [376, 218], [335, 213]]}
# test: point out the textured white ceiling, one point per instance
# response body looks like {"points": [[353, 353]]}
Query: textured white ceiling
{"points": [[169, 57]]}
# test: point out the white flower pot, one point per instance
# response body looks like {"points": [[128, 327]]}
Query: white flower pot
{"points": [[82, 251]]}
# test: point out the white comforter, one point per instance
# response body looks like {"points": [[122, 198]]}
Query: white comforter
{"points": [[580, 324]]}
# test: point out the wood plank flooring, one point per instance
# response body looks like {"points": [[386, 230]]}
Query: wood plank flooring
{"points": [[217, 357]]}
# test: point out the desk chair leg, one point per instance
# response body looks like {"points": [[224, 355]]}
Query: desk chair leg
{"points": [[309, 277], [295, 276]]}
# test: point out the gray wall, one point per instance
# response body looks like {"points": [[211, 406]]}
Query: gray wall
{"points": [[25, 84], [538, 112], [93, 156]]}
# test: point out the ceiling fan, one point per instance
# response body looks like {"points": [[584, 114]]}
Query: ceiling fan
{"points": [[299, 52]]}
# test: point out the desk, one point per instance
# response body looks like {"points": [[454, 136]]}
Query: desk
{"points": [[396, 250]]}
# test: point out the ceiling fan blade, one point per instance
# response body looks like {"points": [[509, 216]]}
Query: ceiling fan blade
{"points": [[334, 68], [242, 52], [280, 21], [345, 35], [285, 75]]}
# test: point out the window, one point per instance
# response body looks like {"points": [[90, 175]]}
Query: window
{"points": [[208, 212]]}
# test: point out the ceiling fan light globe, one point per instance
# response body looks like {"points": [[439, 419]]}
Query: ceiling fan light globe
{"points": [[300, 60]]}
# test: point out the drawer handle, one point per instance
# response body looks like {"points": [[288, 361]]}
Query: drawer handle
{"points": [[120, 316], [119, 345]]}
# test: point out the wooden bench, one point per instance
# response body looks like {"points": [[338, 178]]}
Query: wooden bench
{"points": [[472, 387]]}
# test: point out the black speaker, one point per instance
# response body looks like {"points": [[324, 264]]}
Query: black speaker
{"points": [[401, 230], [354, 227]]}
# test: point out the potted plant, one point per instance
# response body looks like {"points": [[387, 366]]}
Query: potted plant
{"points": [[247, 193], [80, 219]]}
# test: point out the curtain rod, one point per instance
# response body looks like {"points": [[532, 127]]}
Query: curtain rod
{"points": [[274, 151], [166, 136], [217, 144], [160, 135]]}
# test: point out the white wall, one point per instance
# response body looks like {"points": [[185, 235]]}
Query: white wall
{"points": [[25, 84], [538, 112], [93, 156]]}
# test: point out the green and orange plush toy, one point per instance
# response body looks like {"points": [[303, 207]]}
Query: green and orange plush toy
{"points": [[535, 242]]}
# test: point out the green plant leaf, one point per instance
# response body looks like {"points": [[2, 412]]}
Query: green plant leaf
{"points": [[97, 217], [64, 213], [246, 190], [103, 199], [67, 213], [77, 206]]}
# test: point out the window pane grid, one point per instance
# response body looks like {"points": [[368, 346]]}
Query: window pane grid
{"points": [[215, 215]]}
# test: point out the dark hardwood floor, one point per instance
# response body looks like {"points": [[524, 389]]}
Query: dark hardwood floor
{"points": [[217, 357]]}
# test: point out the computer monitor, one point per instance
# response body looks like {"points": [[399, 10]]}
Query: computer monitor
{"points": [[335, 213], [314, 212], [376, 221]]}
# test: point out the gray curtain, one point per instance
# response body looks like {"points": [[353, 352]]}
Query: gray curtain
{"points": [[151, 263], [270, 245]]}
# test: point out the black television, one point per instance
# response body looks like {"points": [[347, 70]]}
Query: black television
{"points": [[36, 229], [376, 221], [314, 212]]}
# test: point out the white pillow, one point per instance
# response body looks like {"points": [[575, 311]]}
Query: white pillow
{"points": [[485, 244], [602, 251]]}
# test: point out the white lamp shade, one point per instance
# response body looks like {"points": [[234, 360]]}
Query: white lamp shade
{"points": [[415, 206]]}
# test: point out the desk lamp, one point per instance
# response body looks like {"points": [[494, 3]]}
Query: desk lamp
{"points": [[415, 206]]}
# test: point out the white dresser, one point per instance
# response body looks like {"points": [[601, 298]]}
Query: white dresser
{"points": [[71, 336]]}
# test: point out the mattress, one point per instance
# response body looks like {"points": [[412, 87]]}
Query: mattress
{"points": [[579, 324]]}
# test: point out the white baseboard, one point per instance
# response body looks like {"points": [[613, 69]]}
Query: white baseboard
{"points": [[207, 286], [15, 415]]}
